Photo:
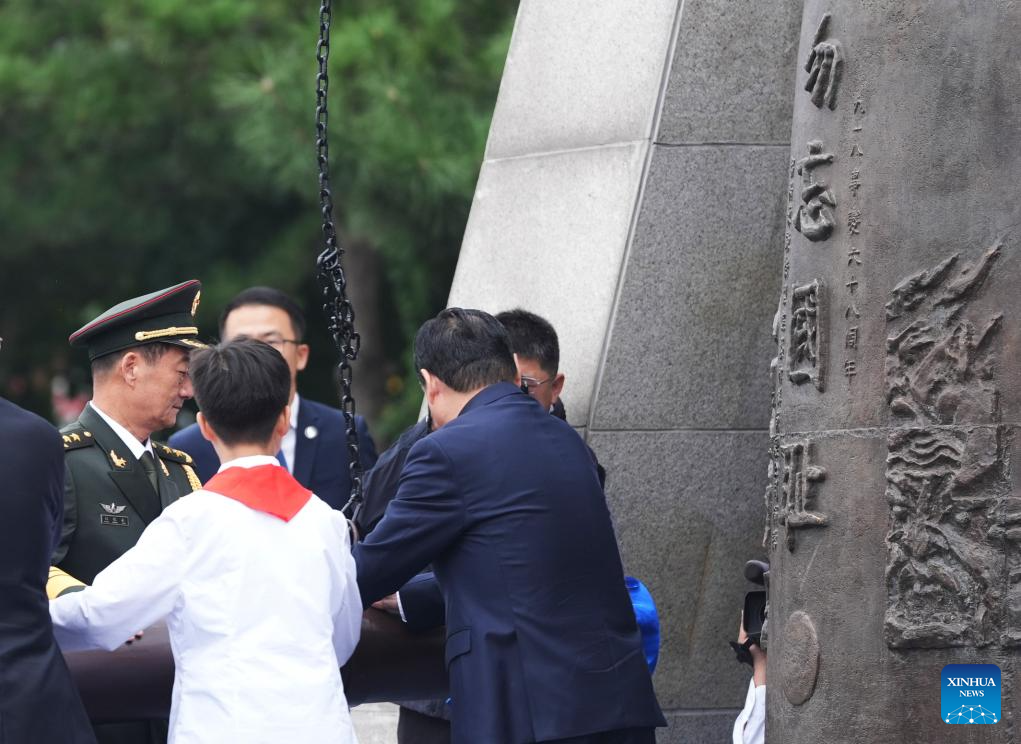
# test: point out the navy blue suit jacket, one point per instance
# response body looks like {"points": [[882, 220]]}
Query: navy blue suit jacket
{"points": [[38, 700], [320, 461], [542, 642]]}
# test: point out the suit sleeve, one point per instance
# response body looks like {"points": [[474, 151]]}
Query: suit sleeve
{"points": [[129, 595], [425, 517], [70, 519], [366, 447], [421, 603], [380, 486]]}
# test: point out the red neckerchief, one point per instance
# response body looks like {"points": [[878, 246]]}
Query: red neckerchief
{"points": [[266, 488]]}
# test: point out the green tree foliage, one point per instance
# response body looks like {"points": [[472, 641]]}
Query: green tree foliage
{"points": [[143, 142]]}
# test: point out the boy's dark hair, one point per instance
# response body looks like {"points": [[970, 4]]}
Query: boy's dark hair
{"points": [[241, 388], [532, 337], [273, 298], [466, 349]]}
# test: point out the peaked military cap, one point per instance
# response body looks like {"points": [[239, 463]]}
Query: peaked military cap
{"points": [[166, 316]]}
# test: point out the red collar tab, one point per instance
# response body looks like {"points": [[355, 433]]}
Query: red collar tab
{"points": [[266, 488]]}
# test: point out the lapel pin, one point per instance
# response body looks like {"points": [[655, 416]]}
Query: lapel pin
{"points": [[120, 462], [311, 432]]}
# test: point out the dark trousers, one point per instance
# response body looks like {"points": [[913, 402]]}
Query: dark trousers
{"points": [[620, 736], [417, 728], [132, 732]]}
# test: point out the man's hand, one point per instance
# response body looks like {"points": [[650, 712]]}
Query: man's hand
{"points": [[758, 655], [388, 604]]}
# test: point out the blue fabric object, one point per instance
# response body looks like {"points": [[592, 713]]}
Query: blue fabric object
{"points": [[647, 617]]}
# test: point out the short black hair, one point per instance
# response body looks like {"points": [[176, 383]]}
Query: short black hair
{"points": [[466, 349], [532, 337], [151, 353], [273, 298], [241, 387]]}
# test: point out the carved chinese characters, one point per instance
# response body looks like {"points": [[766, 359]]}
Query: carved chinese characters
{"points": [[947, 482], [855, 219], [825, 67], [807, 350], [800, 476], [815, 217]]}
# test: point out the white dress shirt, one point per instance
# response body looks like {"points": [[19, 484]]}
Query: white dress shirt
{"points": [[261, 614], [750, 726], [289, 444]]}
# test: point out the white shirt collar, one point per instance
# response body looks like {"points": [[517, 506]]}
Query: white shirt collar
{"points": [[289, 444], [136, 448], [249, 461]]}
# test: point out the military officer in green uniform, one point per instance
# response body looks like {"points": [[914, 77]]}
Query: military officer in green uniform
{"points": [[118, 479]]}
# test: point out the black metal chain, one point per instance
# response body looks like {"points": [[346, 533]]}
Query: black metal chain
{"points": [[340, 315]]}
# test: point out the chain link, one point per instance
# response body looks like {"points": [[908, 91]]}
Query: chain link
{"points": [[340, 314]]}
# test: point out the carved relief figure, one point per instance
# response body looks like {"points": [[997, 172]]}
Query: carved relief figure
{"points": [[815, 218], [825, 66], [806, 354], [946, 471]]}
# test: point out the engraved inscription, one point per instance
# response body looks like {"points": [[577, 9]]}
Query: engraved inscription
{"points": [[799, 480], [947, 479], [806, 355], [815, 216], [825, 66]]}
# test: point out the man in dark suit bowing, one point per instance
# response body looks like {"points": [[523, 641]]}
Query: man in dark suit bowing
{"points": [[315, 447], [504, 501], [38, 700]]}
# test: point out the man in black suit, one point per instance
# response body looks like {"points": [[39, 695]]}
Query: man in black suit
{"points": [[315, 447], [38, 700], [505, 502]]}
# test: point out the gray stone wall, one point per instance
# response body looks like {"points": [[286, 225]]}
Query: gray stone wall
{"points": [[633, 192], [682, 407]]}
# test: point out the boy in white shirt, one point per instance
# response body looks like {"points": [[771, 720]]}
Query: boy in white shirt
{"points": [[253, 575]]}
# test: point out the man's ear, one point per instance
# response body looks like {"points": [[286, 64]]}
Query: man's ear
{"points": [[557, 386], [128, 367], [204, 428], [517, 369], [432, 385], [301, 351]]}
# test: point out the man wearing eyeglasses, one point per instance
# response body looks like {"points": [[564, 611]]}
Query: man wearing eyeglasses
{"points": [[537, 354], [536, 349], [314, 449], [542, 643]]}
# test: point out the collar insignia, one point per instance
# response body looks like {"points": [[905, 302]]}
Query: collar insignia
{"points": [[119, 462]]}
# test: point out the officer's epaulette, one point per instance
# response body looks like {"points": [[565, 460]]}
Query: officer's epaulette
{"points": [[76, 437], [169, 453]]}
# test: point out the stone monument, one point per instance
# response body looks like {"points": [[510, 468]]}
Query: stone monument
{"points": [[893, 519], [633, 193]]}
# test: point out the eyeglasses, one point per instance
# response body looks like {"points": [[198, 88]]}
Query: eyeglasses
{"points": [[530, 383], [278, 343]]}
